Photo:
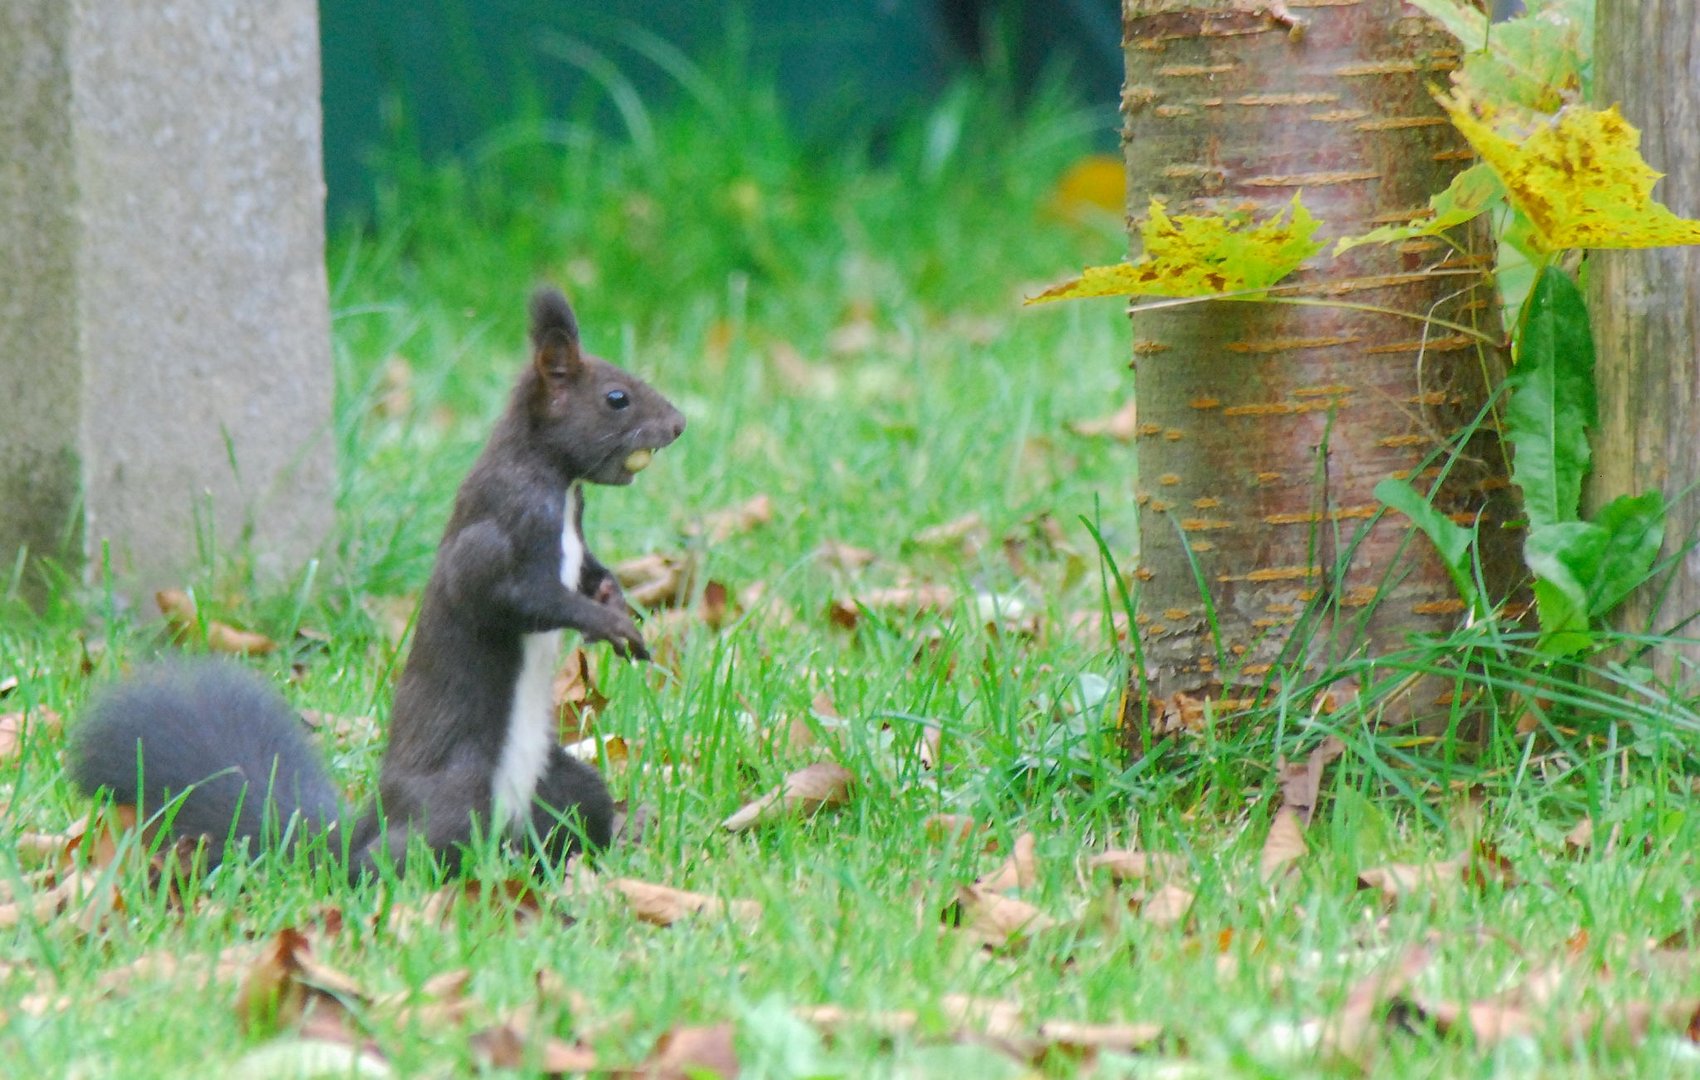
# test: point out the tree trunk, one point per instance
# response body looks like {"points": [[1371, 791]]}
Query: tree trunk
{"points": [[1265, 426], [1646, 304]]}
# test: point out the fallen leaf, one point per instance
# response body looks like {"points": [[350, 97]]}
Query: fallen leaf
{"points": [[993, 919], [722, 525], [1168, 906], [803, 793], [285, 982], [1019, 871], [17, 728], [909, 600], [1349, 1033], [1116, 1038], [511, 1046], [844, 557], [657, 580], [1404, 879], [577, 700], [991, 1016], [957, 827], [1284, 846], [1581, 836], [1301, 784], [689, 1053], [349, 731], [181, 615], [395, 388], [967, 533], [70, 890], [1130, 865], [660, 905], [1121, 425]]}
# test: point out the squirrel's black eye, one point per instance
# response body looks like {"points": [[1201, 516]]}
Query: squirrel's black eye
{"points": [[618, 399]]}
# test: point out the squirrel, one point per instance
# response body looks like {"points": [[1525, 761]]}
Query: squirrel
{"points": [[472, 747]]}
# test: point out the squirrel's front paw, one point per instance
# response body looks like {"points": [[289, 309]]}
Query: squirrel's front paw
{"points": [[618, 630]]}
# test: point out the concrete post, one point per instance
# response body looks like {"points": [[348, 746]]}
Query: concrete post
{"points": [[165, 373]]}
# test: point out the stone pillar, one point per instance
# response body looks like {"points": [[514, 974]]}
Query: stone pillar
{"points": [[165, 371]]}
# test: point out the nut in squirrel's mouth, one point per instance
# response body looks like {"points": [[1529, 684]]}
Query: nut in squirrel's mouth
{"points": [[638, 460]]}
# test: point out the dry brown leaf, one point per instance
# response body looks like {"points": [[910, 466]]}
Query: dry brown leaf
{"points": [[722, 525], [657, 580], [1121, 425], [910, 600], [692, 1052], [286, 981], [801, 794], [833, 1019], [1168, 906], [957, 827], [991, 1016], [352, 731], [1019, 871], [71, 889], [1398, 880], [967, 532], [843, 557], [179, 610], [1130, 865], [1350, 1033], [660, 905], [1116, 1038], [395, 389], [931, 748], [511, 1046], [394, 615], [1581, 836], [1301, 783], [993, 919], [1284, 846], [16, 728], [577, 700]]}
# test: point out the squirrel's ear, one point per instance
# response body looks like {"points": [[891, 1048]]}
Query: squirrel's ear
{"points": [[554, 334]]}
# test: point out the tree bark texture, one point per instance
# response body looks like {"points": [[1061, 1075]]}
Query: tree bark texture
{"points": [[1646, 304], [1265, 426]]}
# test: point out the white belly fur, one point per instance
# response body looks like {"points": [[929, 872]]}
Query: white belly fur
{"points": [[531, 716]]}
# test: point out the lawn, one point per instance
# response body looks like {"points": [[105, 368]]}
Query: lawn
{"points": [[874, 422]]}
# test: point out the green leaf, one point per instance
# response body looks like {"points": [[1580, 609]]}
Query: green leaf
{"points": [[1635, 527], [1552, 401], [1471, 193], [1451, 539], [1566, 558]]}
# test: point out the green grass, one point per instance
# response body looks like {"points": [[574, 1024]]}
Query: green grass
{"points": [[711, 264]]}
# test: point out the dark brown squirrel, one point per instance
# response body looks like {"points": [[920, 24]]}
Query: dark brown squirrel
{"points": [[472, 746]]}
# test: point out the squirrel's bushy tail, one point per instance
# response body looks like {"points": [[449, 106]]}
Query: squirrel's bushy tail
{"points": [[212, 745]]}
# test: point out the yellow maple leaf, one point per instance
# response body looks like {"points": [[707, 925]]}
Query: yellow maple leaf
{"points": [[1578, 177], [1202, 255]]}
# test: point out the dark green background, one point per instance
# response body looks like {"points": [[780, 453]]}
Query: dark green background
{"points": [[435, 76]]}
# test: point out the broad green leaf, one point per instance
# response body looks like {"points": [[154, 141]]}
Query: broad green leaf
{"points": [[1539, 60], [1202, 255], [1578, 176], [1472, 192], [1552, 401], [1635, 528], [1466, 23], [1566, 558], [1451, 539]]}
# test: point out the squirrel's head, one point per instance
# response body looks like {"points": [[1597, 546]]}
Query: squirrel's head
{"points": [[599, 422]]}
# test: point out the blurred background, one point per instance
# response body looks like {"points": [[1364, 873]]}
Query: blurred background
{"points": [[440, 79]]}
